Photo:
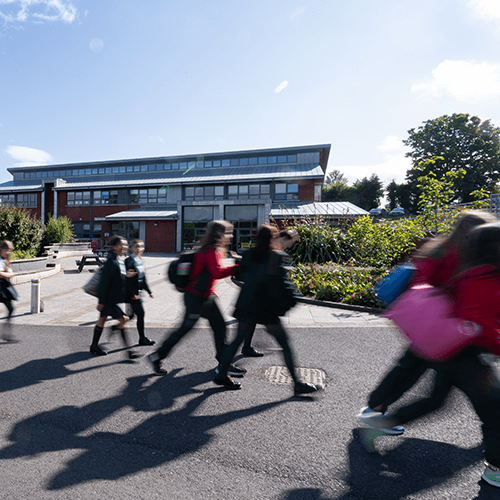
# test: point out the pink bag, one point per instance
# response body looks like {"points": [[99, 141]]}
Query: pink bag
{"points": [[425, 318]]}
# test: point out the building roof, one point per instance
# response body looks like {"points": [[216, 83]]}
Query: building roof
{"points": [[289, 209], [198, 176], [144, 214], [11, 186]]}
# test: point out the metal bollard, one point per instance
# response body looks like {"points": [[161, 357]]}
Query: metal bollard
{"points": [[35, 296]]}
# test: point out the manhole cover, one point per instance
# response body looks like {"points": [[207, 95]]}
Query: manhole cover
{"points": [[281, 375]]}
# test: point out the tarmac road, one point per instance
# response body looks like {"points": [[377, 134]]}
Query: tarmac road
{"points": [[74, 426]]}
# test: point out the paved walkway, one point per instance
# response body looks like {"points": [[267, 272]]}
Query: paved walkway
{"points": [[65, 303]]}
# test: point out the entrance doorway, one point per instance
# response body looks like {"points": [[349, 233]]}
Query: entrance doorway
{"points": [[243, 234]]}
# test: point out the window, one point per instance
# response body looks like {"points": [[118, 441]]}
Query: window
{"points": [[189, 192], [208, 164], [219, 191], [271, 159], [137, 168], [175, 166], [243, 161], [226, 163], [94, 171], [122, 170], [280, 188], [293, 188], [144, 168], [102, 170], [235, 162], [88, 171], [151, 168], [217, 163], [292, 158], [44, 173], [263, 160], [243, 190], [134, 197], [199, 164], [109, 170], [281, 159], [113, 197], [253, 161], [115, 170], [209, 191], [265, 189], [130, 168], [254, 189], [198, 191], [232, 190], [24, 200]]}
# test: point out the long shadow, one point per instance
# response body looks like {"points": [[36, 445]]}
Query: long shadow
{"points": [[109, 455], [38, 370]]}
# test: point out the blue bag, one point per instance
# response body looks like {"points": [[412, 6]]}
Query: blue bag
{"points": [[390, 287]]}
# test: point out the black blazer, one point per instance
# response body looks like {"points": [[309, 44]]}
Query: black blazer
{"points": [[112, 285], [133, 284]]}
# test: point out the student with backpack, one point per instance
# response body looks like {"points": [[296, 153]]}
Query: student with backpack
{"points": [[199, 297]]}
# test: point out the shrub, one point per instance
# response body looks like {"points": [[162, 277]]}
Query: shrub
{"points": [[58, 230], [20, 227]]}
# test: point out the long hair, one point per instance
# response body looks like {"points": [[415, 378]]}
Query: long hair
{"points": [[214, 236], [459, 237], [484, 247], [266, 236], [6, 245]]}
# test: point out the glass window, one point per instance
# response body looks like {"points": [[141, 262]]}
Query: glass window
{"points": [[182, 165], [198, 191], [292, 158], [281, 159], [167, 166], [151, 168], [254, 189], [81, 171], [104, 197], [208, 164], [217, 163], [226, 163], [199, 164], [244, 189], [70, 196], [272, 159], [94, 171], [122, 170], [232, 190], [109, 170], [209, 191], [97, 198], [152, 193], [252, 161], [191, 164], [102, 170], [190, 192], [293, 188], [162, 192], [130, 168], [75, 172], [265, 189], [113, 197], [219, 190], [235, 162], [175, 166], [243, 161], [88, 171], [280, 188], [144, 168], [262, 160], [134, 196], [44, 173], [115, 170], [137, 168]]}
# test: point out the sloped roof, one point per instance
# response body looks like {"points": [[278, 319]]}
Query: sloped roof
{"points": [[288, 209], [11, 186], [144, 214]]}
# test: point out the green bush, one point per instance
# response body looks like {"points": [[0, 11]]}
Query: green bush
{"points": [[20, 227], [58, 230]]}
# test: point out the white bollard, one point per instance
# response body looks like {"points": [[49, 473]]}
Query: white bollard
{"points": [[35, 296]]}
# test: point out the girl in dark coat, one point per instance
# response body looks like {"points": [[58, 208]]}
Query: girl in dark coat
{"points": [[136, 282], [111, 292], [6, 248], [255, 307]]}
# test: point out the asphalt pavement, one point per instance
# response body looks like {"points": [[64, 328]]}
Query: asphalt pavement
{"points": [[83, 427]]}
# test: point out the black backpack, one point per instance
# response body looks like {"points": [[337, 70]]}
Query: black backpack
{"points": [[179, 270]]}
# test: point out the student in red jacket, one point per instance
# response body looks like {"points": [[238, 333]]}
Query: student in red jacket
{"points": [[437, 262], [476, 293], [199, 298]]}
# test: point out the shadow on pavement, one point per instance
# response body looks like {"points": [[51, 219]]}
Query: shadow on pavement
{"points": [[112, 455]]}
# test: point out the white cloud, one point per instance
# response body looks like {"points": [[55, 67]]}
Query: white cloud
{"points": [[393, 166], [466, 81], [281, 86], [489, 10], [28, 156], [47, 10]]}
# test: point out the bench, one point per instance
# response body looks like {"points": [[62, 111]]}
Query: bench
{"points": [[91, 259]]}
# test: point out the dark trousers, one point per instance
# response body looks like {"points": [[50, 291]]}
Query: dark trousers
{"points": [[197, 307], [480, 383], [400, 379], [244, 329], [7, 326], [138, 310]]}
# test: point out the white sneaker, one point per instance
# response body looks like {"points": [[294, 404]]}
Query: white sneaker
{"points": [[375, 419], [491, 475]]}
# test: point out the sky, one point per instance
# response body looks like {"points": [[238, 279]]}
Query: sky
{"points": [[95, 80]]}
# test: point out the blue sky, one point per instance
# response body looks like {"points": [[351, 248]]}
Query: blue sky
{"points": [[90, 80]]}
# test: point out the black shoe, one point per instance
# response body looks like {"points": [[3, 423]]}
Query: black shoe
{"points": [[227, 382], [157, 368], [233, 371], [133, 355], [304, 388], [146, 341], [253, 353], [97, 351]]}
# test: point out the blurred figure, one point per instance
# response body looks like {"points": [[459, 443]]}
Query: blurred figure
{"points": [[7, 292], [200, 298], [437, 262], [286, 239], [111, 292], [136, 282], [253, 306]]}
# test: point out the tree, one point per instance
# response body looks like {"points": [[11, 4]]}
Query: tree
{"points": [[335, 177], [367, 192], [20, 227], [462, 142], [59, 231], [401, 195], [335, 187]]}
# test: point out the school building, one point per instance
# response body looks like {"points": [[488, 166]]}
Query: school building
{"points": [[168, 201]]}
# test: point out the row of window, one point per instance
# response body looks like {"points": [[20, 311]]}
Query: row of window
{"points": [[154, 167], [282, 191], [19, 200]]}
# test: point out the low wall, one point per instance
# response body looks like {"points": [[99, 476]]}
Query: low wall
{"points": [[24, 266], [68, 249]]}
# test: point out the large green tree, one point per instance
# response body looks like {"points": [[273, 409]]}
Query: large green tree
{"points": [[367, 193], [462, 142]]}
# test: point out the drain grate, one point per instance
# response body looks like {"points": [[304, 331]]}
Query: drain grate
{"points": [[281, 375]]}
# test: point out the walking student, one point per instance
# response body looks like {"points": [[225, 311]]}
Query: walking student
{"points": [[255, 306], [111, 292], [200, 299], [437, 262], [7, 292], [136, 282]]}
